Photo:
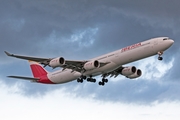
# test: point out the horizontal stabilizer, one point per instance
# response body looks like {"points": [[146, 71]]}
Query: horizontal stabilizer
{"points": [[25, 78]]}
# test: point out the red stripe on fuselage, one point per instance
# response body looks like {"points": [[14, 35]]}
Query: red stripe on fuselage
{"points": [[44, 79]]}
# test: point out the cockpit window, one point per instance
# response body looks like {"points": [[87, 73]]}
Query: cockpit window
{"points": [[165, 38]]}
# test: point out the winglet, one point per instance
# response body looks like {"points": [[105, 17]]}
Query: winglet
{"points": [[8, 54]]}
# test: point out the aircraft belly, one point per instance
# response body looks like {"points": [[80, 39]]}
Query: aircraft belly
{"points": [[64, 76]]}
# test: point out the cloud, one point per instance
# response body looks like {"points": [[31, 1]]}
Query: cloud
{"points": [[31, 24], [70, 107], [173, 74]]}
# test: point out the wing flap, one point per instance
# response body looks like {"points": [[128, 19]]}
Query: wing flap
{"points": [[114, 73]]}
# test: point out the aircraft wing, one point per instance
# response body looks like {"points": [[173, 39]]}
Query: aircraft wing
{"points": [[78, 65], [69, 64], [43, 61], [114, 73]]}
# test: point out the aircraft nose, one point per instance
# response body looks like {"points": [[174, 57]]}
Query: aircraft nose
{"points": [[171, 41]]}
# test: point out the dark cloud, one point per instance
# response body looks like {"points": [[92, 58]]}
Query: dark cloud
{"points": [[85, 29], [30, 24]]}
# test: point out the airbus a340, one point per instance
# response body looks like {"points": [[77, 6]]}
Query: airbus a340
{"points": [[111, 64]]}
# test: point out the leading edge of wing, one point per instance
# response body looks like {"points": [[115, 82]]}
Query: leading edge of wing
{"points": [[24, 78], [27, 57]]}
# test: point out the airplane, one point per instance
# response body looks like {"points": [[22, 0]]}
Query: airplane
{"points": [[108, 65]]}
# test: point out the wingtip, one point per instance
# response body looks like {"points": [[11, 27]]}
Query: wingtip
{"points": [[8, 54], [10, 76]]}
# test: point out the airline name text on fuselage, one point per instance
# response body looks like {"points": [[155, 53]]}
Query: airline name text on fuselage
{"points": [[130, 47]]}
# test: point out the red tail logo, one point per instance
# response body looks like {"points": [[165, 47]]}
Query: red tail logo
{"points": [[37, 69]]}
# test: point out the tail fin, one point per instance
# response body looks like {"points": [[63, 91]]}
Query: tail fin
{"points": [[37, 69]]}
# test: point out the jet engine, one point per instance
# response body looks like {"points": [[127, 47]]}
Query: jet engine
{"points": [[57, 62], [127, 71], [91, 65], [137, 74]]}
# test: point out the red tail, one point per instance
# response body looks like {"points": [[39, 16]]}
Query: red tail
{"points": [[37, 69]]}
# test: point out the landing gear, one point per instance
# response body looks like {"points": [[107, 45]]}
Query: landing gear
{"points": [[103, 81], [90, 79], [160, 54], [160, 58], [81, 79]]}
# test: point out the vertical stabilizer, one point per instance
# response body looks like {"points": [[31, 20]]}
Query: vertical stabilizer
{"points": [[37, 69]]}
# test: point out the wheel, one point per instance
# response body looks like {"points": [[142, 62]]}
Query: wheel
{"points": [[88, 79], [81, 80], [104, 80], [84, 77], [78, 80], [94, 80], [103, 84], [100, 83], [160, 58]]}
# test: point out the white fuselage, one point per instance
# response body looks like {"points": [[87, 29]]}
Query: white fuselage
{"points": [[116, 59]]}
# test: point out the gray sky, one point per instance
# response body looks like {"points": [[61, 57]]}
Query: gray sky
{"points": [[85, 29]]}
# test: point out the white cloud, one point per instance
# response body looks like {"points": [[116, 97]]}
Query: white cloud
{"points": [[85, 37], [152, 68], [60, 104]]}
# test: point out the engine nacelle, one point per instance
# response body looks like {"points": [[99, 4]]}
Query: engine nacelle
{"points": [[137, 74], [91, 65], [57, 62], [127, 71]]}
